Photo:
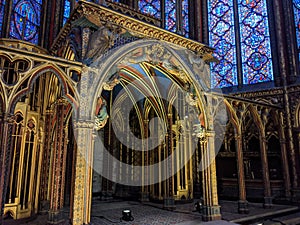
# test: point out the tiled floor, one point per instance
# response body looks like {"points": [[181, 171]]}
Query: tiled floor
{"points": [[110, 212]]}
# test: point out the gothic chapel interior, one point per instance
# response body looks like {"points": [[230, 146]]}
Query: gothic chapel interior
{"points": [[148, 100]]}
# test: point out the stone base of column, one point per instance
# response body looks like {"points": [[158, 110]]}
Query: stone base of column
{"points": [[210, 213], [55, 217], [44, 207], [144, 197], [107, 195], [169, 203], [268, 202], [243, 207], [295, 195]]}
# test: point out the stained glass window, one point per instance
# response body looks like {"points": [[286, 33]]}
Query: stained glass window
{"points": [[170, 15], [67, 10], [25, 20], [151, 7], [254, 40], [222, 38], [297, 21], [2, 5], [185, 18]]}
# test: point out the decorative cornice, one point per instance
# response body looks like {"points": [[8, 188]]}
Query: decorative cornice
{"points": [[101, 15], [265, 93], [237, 98], [294, 88], [22, 45], [21, 48], [260, 93]]}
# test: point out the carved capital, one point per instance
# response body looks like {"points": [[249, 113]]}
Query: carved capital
{"points": [[84, 124], [8, 118]]}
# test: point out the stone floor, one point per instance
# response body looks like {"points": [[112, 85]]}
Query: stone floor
{"points": [[110, 212]]}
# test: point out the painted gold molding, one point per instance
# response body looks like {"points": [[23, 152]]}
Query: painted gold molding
{"points": [[101, 15]]}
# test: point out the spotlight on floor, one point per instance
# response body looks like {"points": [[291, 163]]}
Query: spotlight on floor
{"points": [[126, 215], [198, 206]]}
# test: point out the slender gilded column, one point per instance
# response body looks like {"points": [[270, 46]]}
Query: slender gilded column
{"points": [[64, 161], [145, 156], [284, 159], [243, 203], [6, 122], [40, 163], [265, 170], [186, 155], [44, 200], [159, 173], [169, 202], [211, 210], [190, 146], [83, 175], [179, 154]]}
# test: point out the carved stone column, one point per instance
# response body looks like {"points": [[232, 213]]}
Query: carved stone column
{"points": [[211, 210], [6, 123], [83, 175], [284, 68], [242, 203]]}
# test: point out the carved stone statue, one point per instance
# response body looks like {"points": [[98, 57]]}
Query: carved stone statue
{"points": [[101, 115], [100, 41]]}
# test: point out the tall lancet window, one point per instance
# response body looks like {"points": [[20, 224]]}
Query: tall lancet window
{"points": [[176, 13], [222, 38], [2, 5], [25, 20], [296, 4], [253, 40]]}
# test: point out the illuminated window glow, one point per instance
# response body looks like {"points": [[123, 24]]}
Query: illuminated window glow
{"points": [[255, 53], [25, 20]]}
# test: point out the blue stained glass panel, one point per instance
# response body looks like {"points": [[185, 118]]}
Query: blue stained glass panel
{"points": [[2, 5], [170, 15], [297, 20], [151, 7], [222, 38], [255, 41], [67, 10], [185, 18], [25, 20]]}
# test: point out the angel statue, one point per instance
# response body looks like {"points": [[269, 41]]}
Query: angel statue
{"points": [[101, 115]]}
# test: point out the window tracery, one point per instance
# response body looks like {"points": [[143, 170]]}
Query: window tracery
{"points": [[253, 40]]}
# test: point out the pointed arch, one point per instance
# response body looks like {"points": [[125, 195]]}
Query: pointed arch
{"points": [[31, 77]]}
